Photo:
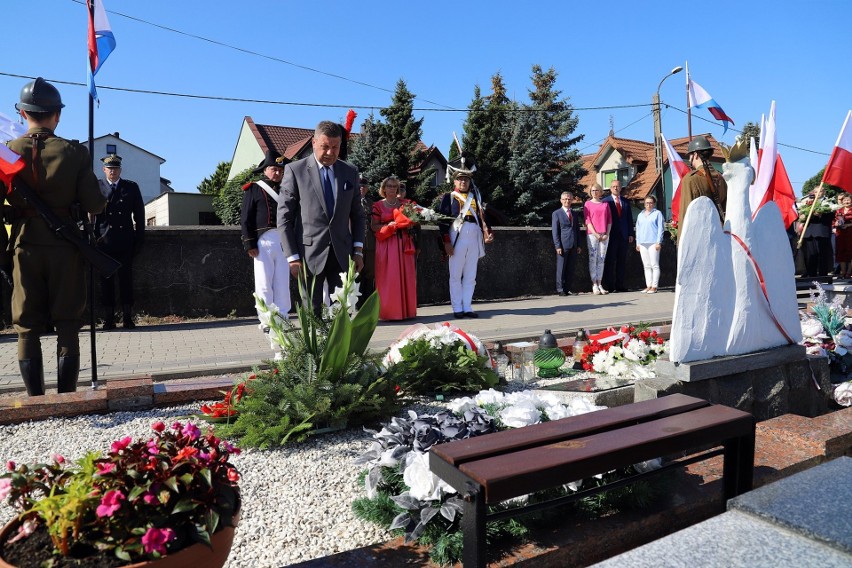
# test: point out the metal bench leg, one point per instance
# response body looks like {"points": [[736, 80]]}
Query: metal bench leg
{"points": [[473, 527], [738, 469]]}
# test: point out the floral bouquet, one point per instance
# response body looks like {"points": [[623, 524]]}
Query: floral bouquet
{"points": [[825, 205], [405, 496], [142, 500], [439, 358], [632, 355], [423, 215], [824, 330]]}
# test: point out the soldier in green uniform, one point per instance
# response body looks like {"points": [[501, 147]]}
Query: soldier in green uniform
{"points": [[704, 180], [49, 275]]}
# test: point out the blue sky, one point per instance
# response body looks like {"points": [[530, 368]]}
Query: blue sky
{"points": [[745, 54]]}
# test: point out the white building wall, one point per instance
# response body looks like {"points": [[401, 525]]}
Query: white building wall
{"points": [[247, 154], [136, 165]]}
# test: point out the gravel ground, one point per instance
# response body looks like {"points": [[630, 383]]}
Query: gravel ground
{"points": [[296, 500]]}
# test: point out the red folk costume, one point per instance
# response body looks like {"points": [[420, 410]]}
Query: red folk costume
{"points": [[843, 230], [396, 279]]}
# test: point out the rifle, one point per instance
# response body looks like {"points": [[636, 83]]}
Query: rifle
{"points": [[101, 261]]}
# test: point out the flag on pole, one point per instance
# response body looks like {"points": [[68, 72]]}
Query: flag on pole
{"points": [[101, 41], [772, 182], [10, 164], [699, 98], [679, 169], [839, 169]]}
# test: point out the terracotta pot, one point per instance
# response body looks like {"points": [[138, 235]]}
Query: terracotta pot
{"points": [[196, 556]]}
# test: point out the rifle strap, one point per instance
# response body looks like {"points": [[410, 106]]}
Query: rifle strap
{"points": [[37, 138]]}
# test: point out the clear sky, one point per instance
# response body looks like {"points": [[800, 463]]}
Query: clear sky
{"points": [[745, 54]]}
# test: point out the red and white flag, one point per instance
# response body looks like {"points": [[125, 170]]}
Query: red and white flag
{"points": [[10, 164], [839, 169], [678, 168], [772, 182]]}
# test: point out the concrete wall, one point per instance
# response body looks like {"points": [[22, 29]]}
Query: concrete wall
{"points": [[194, 271]]}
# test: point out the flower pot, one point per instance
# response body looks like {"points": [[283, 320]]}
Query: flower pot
{"points": [[196, 556]]}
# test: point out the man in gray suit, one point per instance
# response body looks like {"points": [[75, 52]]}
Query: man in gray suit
{"points": [[319, 216], [566, 239]]}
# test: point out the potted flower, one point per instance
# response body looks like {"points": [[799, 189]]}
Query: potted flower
{"points": [[171, 500]]}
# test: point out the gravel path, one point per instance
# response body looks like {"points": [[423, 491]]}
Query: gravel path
{"points": [[296, 500]]}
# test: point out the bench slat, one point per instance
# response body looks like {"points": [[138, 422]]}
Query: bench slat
{"points": [[510, 441], [526, 471]]}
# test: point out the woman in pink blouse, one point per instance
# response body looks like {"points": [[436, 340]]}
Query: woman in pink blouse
{"points": [[598, 224]]}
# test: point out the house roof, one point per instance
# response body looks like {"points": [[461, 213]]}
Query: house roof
{"points": [[115, 136], [640, 155]]}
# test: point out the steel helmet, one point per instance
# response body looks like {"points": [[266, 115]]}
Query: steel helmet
{"points": [[40, 96], [697, 144]]}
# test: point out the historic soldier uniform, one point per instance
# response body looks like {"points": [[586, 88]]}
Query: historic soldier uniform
{"points": [[704, 180], [261, 239], [120, 230], [464, 240], [366, 278], [49, 274]]}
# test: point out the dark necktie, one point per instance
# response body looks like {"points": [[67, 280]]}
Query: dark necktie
{"points": [[111, 188], [618, 205], [327, 192]]}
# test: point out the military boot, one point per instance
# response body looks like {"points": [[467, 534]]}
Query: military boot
{"points": [[32, 371], [68, 369], [127, 317], [109, 319]]}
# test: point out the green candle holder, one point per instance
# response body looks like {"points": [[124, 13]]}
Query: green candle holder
{"points": [[548, 357]]}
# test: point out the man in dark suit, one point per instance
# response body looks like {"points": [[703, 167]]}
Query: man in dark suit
{"points": [[566, 239], [320, 217], [620, 239], [120, 230]]}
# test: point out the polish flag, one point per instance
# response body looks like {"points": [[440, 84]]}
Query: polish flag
{"points": [[101, 41], [678, 169], [10, 164], [839, 169], [772, 182]]}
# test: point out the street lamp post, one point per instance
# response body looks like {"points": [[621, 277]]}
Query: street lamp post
{"points": [[658, 130]]}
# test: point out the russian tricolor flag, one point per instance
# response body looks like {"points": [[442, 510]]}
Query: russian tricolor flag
{"points": [[101, 41], [699, 98]]}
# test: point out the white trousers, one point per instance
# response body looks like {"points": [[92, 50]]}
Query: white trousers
{"points": [[463, 266], [651, 261], [272, 272], [597, 256]]}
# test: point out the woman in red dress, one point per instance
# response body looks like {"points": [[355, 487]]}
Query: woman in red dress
{"points": [[843, 232], [396, 279]]}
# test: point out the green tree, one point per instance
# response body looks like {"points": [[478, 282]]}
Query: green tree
{"points": [[365, 152], [828, 190], [213, 185], [751, 130], [487, 133], [453, 154], [227, 204], [545, 160]]}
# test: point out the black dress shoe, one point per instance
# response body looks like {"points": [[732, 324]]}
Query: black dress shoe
{"points": [[458, 315], [563, 293], [471, 315]]}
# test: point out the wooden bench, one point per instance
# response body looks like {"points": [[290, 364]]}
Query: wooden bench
{"points": [[488, 469]]}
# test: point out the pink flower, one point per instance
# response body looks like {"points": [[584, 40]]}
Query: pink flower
{"points": [[158, 426], [233, 475], [110, 503], [149, 498], [153, 448], [58, 459], [154, 540], [10, 465], [177, 426], [5, 487], [119, 445], [191, 431], [104, 468]]}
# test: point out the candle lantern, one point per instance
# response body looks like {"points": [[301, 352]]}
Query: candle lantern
{"points": [[548, 357]]}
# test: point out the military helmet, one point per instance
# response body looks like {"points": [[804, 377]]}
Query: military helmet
{"points": [[697, 144], [40, 96]]}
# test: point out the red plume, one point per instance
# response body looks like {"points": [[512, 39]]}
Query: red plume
{"points": [[350, 120]]}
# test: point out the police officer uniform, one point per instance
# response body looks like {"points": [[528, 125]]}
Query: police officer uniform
{"points": [[49, 273], [120, 230], [259, 222]]}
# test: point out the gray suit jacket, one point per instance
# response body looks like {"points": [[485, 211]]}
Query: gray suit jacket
{"points": [[303, 221]]}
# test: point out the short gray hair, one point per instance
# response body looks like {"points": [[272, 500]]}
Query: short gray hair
{"points": [[328, 128]]}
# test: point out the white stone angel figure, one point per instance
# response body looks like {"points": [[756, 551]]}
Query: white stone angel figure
{"points": [[722, 307]]}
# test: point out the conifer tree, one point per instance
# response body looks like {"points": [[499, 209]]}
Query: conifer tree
{"points": [[213, 185], [545, 160], [364, 152]]}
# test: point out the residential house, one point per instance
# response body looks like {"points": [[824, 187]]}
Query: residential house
{"points": [[180, 208], [295, 143], [137, 164], [632, 162]]}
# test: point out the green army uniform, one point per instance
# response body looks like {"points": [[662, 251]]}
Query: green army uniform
{"points": [[695, 184], [49, 274]]}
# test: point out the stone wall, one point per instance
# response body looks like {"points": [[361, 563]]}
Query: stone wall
{"points": [[195, 271]]}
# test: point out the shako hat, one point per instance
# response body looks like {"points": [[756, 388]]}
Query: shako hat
{"points": [[272, 158]]}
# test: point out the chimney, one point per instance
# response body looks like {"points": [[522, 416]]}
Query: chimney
{"points": [[116, 134]]}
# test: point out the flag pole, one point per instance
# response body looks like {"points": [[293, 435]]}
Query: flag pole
{"points": [[818, 194], [688, 107], [92, 327]]}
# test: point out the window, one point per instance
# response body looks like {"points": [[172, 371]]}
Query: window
{"points": [[111, 149], [151, 221], [621, 175]]}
